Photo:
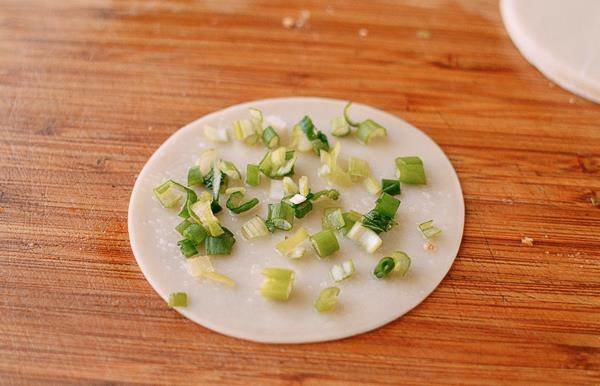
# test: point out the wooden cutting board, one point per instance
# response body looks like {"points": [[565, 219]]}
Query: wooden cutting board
{"points": [[89, 89]]}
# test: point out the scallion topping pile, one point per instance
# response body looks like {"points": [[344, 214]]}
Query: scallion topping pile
{"points": [[215, 183]]}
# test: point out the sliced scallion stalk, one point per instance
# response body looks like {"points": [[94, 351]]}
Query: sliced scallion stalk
{"points": [[300, 141], [278, 283], [203, 212], [364, 237], [347, 116], [384, 267], [201, 266], [377, 222], [325, 243], [287, 246], [387, 205], [303, 186], [252, 175], [318, 139], [372, 185], [270, 138], [358, 169], [333, 219], [411, 170], [266, 165], [205, 162], [402, 261], [215, 134], [230, 170], [234, 189], [235, 204], [245, 131], [187, 247], [168, 194], [339, 127], [219, 278], [302, 209], [391, 187], [219, 245], [182, 226], [281, 216], [178, 299], [349, 219], [254, 228], [194, 177], [332, 194], [278, 156], [342, 271], [195, 232], [289, 186], [297, 199], [327, 299], [368, 130], [429, 230]]}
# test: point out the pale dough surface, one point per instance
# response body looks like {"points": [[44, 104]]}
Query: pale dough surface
{"points": [[365, 303], [561, 38]]}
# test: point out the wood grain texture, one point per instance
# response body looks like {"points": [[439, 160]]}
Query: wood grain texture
{"points": [[89, 89]]}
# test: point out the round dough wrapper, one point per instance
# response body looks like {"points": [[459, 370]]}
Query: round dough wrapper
{"points": [[365, 303], [560, 38]]}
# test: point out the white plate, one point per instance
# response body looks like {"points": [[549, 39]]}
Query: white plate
{"points": [[560, 38], [365, 303]]}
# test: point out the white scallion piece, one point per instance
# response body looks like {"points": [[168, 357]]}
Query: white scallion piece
{"points": [[364, 237], [215, 135], [342, 271], [297, 199]]}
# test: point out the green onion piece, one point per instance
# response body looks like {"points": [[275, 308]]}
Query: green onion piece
{"points": [[207, 157], [332, 194], [235, 205], [303, 186], [254, 228], [402, 261], [377, 222], [203, 213], [327, 299], [270, 138], [244, 130], [347, 116], [218, 179], [318, 139], [289, 186], [295, 199], [281, 216], [194, 176], [339, 127], [391, 187], [168, 194], [325, 243], [320, 143], [387, 205], [429, 230], [302, 209], [372, 185], [278, 283], [178, 299], [278, 156], [230, 170], [342, 271], [368, 129], [256, 116], [384, 267], [364, 237], [234, 189], [215, 134], [289, 245], [173, 186], [220, 245], [299, 140], [286, 169], [411, 171], [349, 219], [333, 219], [187, 247], [358, 169], [266, 165], [252, 175], [195, 232], [182, 226], [201, 266], [308, 128]]}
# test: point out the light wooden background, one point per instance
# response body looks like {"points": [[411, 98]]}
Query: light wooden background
{"points": [[89, 89]]}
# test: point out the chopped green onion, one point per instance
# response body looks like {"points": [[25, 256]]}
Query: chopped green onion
{"points": [[252, 175], [234, 203], [331, 170], [207, 157], [219, 278], [332, 194], [195, 232], [402, 261], [302, 209], [289, 186], [182, 226], [178, 299], [254, 228], [342, 271], [318, 138], [339, 127], [278, 283], [270, 137], [168, 194], [349, 219], [219, 245], [325, 243], [333, 219], [203, 213], [201, 266], [215, 135], [303, 186], [187, 247], [286, 169], [365, 130], [377, 222], [281, 216], [297, 199], [391, 187], [217, 180], [234, 189], [387, 205], [411, 171], [358, 169], [364, 237], [245, 131], [327, 299], [278, 156], [194, 176], [289, 245], [384, 267], [372, 185], [230, 170], [299, 140], [429, 230]]}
